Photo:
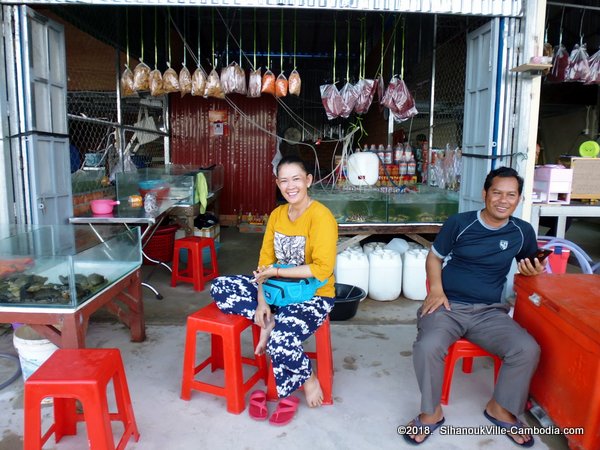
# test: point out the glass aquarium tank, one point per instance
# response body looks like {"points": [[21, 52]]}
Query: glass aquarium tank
{"points": [[369, 205], [357, 206], [63, 265], [172, 182]]}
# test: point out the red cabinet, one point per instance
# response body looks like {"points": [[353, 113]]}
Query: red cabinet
{"points": [[562, 312]]}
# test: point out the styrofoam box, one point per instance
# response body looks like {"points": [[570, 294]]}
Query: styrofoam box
{"points": [[549, 182], [213, 232]]}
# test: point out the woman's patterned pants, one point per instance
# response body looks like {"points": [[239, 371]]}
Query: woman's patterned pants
{"points": [[293, 325]]}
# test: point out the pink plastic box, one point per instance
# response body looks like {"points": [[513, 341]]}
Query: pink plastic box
{"points": [[552, 184]]}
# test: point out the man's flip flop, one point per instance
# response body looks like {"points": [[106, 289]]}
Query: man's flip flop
{"points": [[258, 405], [508, 426], [285, 412], [417, 424]]}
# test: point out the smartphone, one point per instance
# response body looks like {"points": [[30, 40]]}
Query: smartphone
{"points": [[541, 254]]}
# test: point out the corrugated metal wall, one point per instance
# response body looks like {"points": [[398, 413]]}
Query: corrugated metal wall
{"points": [[245, 153]]}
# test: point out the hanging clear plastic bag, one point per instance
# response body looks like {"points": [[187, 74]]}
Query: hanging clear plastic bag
{"points": [[366, 91], [127, 82], [332, 101], [268, 83], [199, 82], [399, 100], [349, 93], [156, 83], [239, 80], [281, 85], [185, 81], [294, 83], [254, 83], [579, 68], [213, 85], [227, 79], [170, 80], [141, 77], [560, 64], [594, 75]]}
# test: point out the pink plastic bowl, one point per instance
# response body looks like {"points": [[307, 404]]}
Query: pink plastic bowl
{"points": [[103, 206]]}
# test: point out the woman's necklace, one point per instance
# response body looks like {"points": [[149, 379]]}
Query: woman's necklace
{"points": [[293, 215]]}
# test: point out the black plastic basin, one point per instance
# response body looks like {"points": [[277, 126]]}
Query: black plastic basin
{"points": [[347, 298]]}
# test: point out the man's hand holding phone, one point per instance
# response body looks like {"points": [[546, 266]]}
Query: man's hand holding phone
{"points": [[534, 264]]}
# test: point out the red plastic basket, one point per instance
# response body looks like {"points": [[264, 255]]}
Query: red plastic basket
{"points": [[161, 244]]}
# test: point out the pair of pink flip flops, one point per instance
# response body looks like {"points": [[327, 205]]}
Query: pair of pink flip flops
{"points": [[283, 414]]}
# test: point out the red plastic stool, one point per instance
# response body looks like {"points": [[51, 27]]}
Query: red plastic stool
{"points": [[467, 350], [195, 271], [324, 358], [226, 354], [82, 374]]}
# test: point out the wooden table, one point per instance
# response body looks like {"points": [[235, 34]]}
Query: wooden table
{"points": [[364, 230], [67, 327]]}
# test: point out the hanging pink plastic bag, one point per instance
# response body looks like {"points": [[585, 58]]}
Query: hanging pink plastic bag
{"points": [[579, 67], [594, 75], [254, 83], [366, 91], [399, 100], [332, 101], [349, 93]]}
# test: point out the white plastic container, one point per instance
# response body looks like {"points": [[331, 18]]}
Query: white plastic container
{"points": [[33, 349], [414, 274], [371, 246], [398, 244], [352, 267], [385, 275], [363, 169], [412, 246]]}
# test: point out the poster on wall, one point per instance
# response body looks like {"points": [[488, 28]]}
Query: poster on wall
{"points": [[217, 120]]}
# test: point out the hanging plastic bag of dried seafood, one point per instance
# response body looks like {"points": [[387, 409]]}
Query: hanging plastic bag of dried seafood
{"points": [[239, 80], [156, 83], [227, 79], [579, 67], [281, 85], [399, 100], [268, 83], [185, 81], [170, 80], [349, 93], [254, 83], [594, 75], [127, 82], [141, 77], [213, 85], [294, 83], [332, 100], [366, 92], [199, 82]]}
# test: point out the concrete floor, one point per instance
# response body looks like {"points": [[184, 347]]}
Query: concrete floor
{"points": [[375, 389]]}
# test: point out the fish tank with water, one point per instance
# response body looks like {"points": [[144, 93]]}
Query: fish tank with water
{"points": [[63, 266], [369, 205]]}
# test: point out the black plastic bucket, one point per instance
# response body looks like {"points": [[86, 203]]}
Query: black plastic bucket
{"points": [[347, 298]]}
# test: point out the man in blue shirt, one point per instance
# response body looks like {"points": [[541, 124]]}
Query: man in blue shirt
{"points": [[466, 270]]}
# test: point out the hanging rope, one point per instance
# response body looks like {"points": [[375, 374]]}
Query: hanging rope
{"points": [[142, 36], [268, 39], [198, 40], [240, 46], [167, 30], [127, 35], [581, 28], [184, 47], [214, 63], [403, 46], [348, 52], [255, 38], [334, 47], [361, 68], [394, 52], [281, 42], [382, 46], [295, 24], [155, 38]]}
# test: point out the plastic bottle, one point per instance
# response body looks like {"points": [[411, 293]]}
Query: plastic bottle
{"points": [[398, 153], [403, 164], [389, 155], [365, 148], [411, 165], [381, 153]]}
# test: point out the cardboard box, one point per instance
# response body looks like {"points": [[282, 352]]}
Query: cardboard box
{"points": [[586, 178], [251, 228], [561, 313], [212, 232]]}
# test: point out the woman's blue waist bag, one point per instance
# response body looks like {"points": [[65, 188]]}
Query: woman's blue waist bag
{"points": [[286, 291]]}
